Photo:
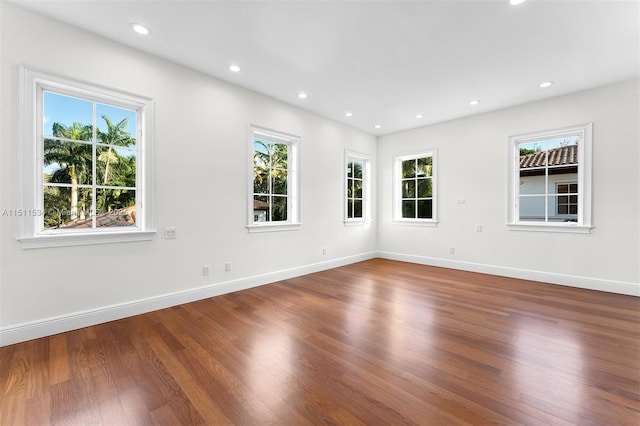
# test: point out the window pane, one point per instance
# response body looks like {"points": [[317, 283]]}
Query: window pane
{"points": [[532, 154], [116, 126], [260, 181], [573, 199], [409, 209], [563, 209], [261, 209], [67, 207], [425, 209], [67, 162], [67, 117], [278, 209], [532, 184], [357, 208], [115, 207], [279, 182], [563, 199], [350, 188], [349, 209], [279, 155], [425, 167], [408, 189], [261, 153], [350, 168], [563, 188], [424, 188], [115, 166], [532, 208], [357, 189], [573, 209], [408, 168], [573, 188], [357, 169]]}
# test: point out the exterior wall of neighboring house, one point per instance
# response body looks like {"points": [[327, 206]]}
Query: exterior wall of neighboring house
{"points": [[530, 208]]}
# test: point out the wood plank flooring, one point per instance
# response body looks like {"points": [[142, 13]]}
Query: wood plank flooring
{"points": [[376, 343]]}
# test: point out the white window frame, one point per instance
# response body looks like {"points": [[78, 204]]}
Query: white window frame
{"points": [[584, 133], [33, 83], [366, 188], [293, 221], [397, 190]]}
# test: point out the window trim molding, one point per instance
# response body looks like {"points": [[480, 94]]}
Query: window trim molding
{"points": [[397, 218], [584, 180], [293, 181], [367, 203], [32, 82]]}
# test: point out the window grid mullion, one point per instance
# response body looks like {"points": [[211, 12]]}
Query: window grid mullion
{"points": [[94, 192]]}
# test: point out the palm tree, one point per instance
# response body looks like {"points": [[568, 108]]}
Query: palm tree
{"points": [[116, 135], [74, 159]]}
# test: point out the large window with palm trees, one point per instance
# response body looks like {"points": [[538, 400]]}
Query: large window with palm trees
{"points": [[86, 147], [274, 199], [415, 198], [89, 164]]}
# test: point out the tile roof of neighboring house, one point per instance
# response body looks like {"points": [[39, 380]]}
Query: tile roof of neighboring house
{"points": [[114, 218], [260, 205], [562, 156]]}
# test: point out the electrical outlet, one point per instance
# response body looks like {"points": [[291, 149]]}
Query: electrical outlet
{"points": [[170, 233], [206, 270], [452, 250], [227, 266], [478, 228], [324, 251]]}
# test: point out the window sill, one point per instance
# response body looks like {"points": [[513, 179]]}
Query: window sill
{"points": [[355, 222], [416, 222], [546, 227], [82, 239], [253, 228]]}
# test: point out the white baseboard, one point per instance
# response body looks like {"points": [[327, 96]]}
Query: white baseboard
{"points": [[59, 324], [631, 289]]}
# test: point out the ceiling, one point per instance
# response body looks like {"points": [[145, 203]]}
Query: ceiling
{"points": [[383, 61]]}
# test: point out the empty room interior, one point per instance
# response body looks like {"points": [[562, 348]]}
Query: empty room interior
{"points": [[319, 212]]}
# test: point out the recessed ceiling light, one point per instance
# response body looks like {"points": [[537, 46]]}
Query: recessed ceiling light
{"points": [[377, 126], [302, 95], [474, 102], [234, 68], [515, 2], [419, 116], [546, 84], [348, 114], [140, 29]]}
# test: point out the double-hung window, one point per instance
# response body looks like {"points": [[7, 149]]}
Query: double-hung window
{"points": [[86, 170], [357, 188], [415, 189], [274, 201], [550, 182]]}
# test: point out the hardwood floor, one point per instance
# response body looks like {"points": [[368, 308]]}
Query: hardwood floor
{"points": [[377, 343]]}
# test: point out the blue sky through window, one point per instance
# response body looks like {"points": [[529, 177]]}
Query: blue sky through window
{"points": [[67, 110]]}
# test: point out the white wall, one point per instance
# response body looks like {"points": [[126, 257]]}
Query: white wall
{"points": [[473, 164], [200, 170]]}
